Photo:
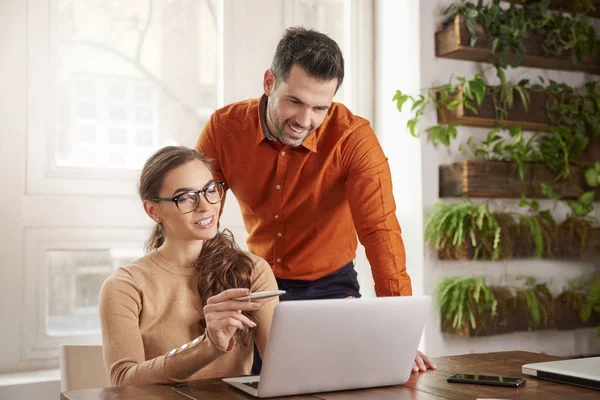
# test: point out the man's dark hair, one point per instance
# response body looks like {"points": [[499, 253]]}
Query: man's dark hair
{"points": [[317, 54]]}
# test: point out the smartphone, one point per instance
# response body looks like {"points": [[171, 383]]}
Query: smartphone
{"points": [[261, 295], [487, 380]]}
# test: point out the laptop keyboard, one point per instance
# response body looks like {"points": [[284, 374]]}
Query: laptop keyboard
{"points": [[253, 384]]}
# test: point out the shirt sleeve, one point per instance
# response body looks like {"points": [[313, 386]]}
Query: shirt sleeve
{"points": [[124, 356], [368, 186], [263, 280]]}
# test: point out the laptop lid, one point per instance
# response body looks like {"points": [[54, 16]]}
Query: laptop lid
{"points": [[326, 345], [581, 371]]}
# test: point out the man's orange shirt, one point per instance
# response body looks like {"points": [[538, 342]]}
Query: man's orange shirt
{"points": [[303, 206]]}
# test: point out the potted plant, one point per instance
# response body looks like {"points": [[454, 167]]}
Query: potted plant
{"points": [[591, 304]]}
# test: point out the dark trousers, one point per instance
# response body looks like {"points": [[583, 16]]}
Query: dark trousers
{"points": [[337, 285]]}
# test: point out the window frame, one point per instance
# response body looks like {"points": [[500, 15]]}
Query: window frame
{"points": [[44, 176], [36, 343]]}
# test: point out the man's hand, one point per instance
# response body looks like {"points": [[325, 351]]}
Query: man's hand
{"points": [[422, 363]]}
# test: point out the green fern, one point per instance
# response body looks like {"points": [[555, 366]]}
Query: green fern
{"points": [[465, 300]]}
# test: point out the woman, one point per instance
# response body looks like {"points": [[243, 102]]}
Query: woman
{"points": [[170, 316]]}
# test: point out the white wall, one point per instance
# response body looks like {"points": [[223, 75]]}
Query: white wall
{"points": [[406, 60], [12, 163]]}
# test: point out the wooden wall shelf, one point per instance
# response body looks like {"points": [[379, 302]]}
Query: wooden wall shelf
{"points": [[499, 179], [453, 41], [564, 247], [563, 5], [534, 118], [591, 154], [512, 316]]}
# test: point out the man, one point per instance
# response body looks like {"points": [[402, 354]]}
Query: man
{"points": [[309, 176]]}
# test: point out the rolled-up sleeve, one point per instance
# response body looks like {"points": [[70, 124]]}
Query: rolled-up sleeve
{"points": [[368, 186]]}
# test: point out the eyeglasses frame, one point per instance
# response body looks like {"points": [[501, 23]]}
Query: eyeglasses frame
{"points": [[174, 199]]}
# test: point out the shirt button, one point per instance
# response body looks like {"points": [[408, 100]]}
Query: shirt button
{"points": [[278, 187], [172, 352], [282, 153], [279, 234], [185, 346], [279, 260], [277, 217]]}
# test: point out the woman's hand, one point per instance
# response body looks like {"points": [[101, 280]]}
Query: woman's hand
{"points": [[224, 316]]}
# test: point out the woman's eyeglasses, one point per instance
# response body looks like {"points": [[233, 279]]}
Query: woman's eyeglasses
{"points": [[188, 201]]}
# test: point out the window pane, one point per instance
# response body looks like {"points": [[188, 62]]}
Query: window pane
{"points": [[132, 76], [327, 16], [75, 278]]}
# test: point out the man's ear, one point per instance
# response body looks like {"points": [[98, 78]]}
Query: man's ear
{"points": [[152, 210], [268, 82]]}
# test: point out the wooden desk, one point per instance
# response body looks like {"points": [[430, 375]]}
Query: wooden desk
{"points": [[428, 385]]}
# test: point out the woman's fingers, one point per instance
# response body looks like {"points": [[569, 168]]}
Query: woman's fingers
{"points": [[231, 305], [225, 323], [221, 320], [228, 294]]}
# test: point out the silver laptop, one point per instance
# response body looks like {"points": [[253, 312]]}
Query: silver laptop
{"points": [[326, 345], [581, 371]]}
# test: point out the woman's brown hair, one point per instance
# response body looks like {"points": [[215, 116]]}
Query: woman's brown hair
{"points": [[221, 263]]}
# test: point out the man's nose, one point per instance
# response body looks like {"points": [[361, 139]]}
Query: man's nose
{"points": [[303, 118]]}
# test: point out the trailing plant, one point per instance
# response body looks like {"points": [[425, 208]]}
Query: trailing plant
{"points": [[503, 95], [516, 148], [541, 227], [493, 236], [579, 6], [583, 206], [577, 109], [444, 96], [451, 225], [508, 28], [592, 175], [469, 307], [592, 301], [464, 300], [537, 299], [574, 295], [557, 149], [578, 223], [566, 32]]}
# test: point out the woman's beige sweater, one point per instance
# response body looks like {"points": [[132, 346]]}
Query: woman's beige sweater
{"points": [[150, 313]]}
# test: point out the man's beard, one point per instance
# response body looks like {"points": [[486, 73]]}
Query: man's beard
{"points": [[279, 128]]}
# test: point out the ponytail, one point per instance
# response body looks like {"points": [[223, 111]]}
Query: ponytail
{"points": [[223, 265], [156, 238]]}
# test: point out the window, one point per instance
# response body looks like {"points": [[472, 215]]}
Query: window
{"points": [[64, 270], [74, 281], [124, 78], [107, 83]]}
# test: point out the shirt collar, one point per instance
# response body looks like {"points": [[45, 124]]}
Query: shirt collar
{"points": [[310, 142]]}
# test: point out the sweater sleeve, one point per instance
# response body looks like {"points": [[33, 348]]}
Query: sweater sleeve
{"points": [[123, 348], [263, 280]]}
